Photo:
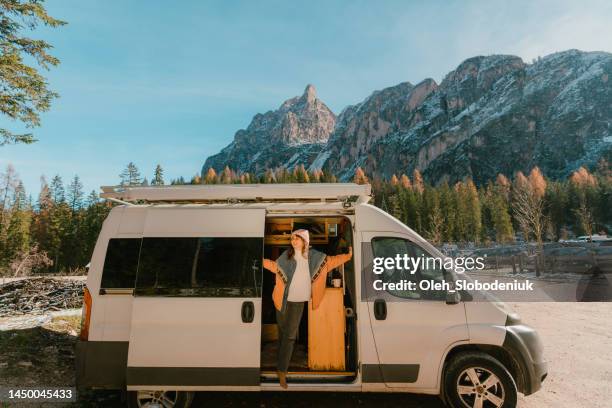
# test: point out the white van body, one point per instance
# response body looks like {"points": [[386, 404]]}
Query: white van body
{"points": [[138, 343]]}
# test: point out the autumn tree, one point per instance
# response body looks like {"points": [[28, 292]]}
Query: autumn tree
{"points": [[211, 176], [23, 90], [360, 177], [300, 175], [227, 176], [405, 182], [417, 181], [584, 185], [528, 207]]}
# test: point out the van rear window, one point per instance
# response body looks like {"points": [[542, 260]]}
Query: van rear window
{"points": [[121, 263], [205, 267]]}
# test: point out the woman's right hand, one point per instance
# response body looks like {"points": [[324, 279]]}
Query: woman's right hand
{"points": [[269, 265]]}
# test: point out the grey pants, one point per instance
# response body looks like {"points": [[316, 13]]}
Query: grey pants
{"points": [[288, 324]]}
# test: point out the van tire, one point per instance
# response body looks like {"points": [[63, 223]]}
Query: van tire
{"points": [[467, 370], [183, 399]]}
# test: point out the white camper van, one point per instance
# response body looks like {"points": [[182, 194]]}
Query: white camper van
{"points": [[177, 301]]}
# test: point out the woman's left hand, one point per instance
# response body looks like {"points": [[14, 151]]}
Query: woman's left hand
{"points": [[350, 252]]}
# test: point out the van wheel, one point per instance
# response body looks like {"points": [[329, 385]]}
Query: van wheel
{"points": [[160, 399], [477, 380]]}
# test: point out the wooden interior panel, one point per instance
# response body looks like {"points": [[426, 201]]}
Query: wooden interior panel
{"points": [[326, 327]]}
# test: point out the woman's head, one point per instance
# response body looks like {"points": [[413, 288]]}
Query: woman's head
{"points": [[299, 242]]}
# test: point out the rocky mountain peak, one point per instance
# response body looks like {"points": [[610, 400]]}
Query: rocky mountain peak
{"points": [[302, 122], [310, 94]]}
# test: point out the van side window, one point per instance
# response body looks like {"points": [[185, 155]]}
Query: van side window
{"points": [[390, 247], [204, 267], [120, 263]]}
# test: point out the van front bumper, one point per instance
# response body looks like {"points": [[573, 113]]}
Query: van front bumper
{"points": [[525, 346], [101, 364]]}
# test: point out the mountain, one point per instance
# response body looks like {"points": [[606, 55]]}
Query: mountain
{"points": [[492, 114], [293, 134]]}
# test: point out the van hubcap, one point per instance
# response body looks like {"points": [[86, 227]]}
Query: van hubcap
{"points": [[480, 388], [157, 399]]}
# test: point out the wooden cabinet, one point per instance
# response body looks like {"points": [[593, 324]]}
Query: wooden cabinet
{"points": [[326, 327]]}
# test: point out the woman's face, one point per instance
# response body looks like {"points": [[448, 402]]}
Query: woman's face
{"points": [[296, 242]]}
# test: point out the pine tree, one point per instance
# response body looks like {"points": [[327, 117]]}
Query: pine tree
{"points": [[8, 183], [18, 232], [434, 225], [473, 212], [448, 208], [502, 223], [75, 194], [158, 176], [461, 227], [23, 91], [130, 176], [58, 194]]}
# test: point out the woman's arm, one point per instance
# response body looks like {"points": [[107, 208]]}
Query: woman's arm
{"points": [[270, 265], [335, 261]]}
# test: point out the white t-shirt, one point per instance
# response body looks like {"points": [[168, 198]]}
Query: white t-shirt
{"points": [[299, 290]]}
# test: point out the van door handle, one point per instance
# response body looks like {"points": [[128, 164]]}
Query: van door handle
{"points": [[380, 309], [248, 312]]}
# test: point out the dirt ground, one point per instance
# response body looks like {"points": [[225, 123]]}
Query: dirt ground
{"points": [[578, 347], [577, 339]]}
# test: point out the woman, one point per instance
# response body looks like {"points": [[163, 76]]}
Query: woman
{"points": [[300, 276]]}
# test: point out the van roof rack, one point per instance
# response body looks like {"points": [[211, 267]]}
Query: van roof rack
{"points": [[346, 193]]}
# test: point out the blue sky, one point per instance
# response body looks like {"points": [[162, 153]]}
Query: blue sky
{"points": [[170, 82]]}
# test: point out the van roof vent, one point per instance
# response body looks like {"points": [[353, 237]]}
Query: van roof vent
{"points": [[347, 193]]}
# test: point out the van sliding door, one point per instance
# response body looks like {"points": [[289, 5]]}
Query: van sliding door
{"points": [[196, 316]]}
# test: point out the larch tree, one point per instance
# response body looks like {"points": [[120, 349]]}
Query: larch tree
{"points": [[584, 185], [24, 92], [417, 181], [405, 182], [211, 176], [360, 177], [528, 207], [227, 176]]}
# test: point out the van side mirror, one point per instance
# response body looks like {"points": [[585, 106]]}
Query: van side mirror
{"points": [[453, 297]]}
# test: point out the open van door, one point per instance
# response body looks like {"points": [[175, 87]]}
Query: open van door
{"points": [[412, 328], [196, 316]]}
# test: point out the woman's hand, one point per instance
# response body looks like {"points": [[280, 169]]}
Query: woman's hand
{"points": [[269, 265], [350, 252]]}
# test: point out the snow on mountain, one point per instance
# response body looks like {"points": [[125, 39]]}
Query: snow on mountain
{"points": [[492, 114]]}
